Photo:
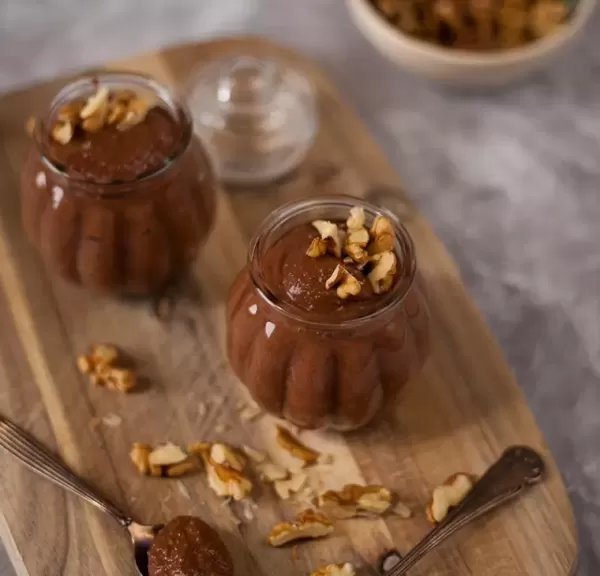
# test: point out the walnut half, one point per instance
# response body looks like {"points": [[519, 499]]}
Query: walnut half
{"points": [[448, 495], [307, 525]]}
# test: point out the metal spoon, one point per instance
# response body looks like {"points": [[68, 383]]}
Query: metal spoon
{"points": [[517, 469], [37, 458]]}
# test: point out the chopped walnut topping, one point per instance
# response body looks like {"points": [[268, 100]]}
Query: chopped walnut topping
{"points": [[181, 469], [317, 248], [448, 495], [382, 275], [359, 237], [330, 230], [62, 132], [70, 112], [136, 112], [30, 125], [356, 220], [308, 524], [223, 454], [289, 442], [285, 488], [357, 254], [381, 225], [347, 285], [95, 104], [354, 500], [335, 570]]}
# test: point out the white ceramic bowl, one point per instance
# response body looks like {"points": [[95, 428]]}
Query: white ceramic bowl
{"points": [[462, 67]]}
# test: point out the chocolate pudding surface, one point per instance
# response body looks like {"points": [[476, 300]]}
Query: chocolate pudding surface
{"points": [[187, 546], [111, 154], [299, 280]]}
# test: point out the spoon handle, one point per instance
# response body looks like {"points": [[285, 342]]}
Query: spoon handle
{"points": [[518, 468], [37, 458]]}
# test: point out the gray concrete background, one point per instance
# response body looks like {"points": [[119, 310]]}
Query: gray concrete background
{"points": [[510, 181]]}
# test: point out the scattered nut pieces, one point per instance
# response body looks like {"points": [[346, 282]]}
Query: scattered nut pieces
{"points": [[382, 275], [317, 248], [354, 500], [100, 365], [357, 254], [335, 278], [271, 472], [121, 379], [250, 412], [401, 509], [139, 455], [285, 488], [448, 495], [289, 442], [335, 570], [226, 481], [166, 455], [330, 230], [256, 456], [223, 454], [70, 112], [308, 524], [356, 220]]}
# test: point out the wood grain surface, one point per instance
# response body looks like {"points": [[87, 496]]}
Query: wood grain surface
{"points": [[458, 415]]}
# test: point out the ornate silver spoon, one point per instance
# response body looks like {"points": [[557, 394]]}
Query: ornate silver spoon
{"points": [[37, 458]]}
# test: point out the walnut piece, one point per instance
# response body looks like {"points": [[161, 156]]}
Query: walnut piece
{"points": [[317, 248], [383, 237], [354, 500], [346, 284], [70, 112], [381, 276], [335, 570], [95, 104], [121, 379], [448, 495], [330, 230], [256, 456], [271, 472], [84, 364], [103, 354], [356, 220], [180, 469], [137, 109], [285, 488], [357, 254], [167, 455], [308, 524], [62, 132], [223, 454], [289, 442], [226, 481], [359, 237], [139, 455]]}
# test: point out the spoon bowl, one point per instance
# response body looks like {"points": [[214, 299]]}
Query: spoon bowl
{"points": [[39, 459]]}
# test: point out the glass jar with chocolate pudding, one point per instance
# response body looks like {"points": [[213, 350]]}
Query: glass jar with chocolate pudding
{"points": [[328, 320], [117, 192]]}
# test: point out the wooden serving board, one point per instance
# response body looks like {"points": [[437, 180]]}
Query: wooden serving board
{"points": [[459, 415]]}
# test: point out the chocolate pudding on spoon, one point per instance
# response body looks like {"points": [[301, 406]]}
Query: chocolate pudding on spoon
{"points": [[328, 321], [117, 193]]}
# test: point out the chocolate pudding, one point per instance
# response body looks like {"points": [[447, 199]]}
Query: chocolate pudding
{"points": [[187, 546], [117, 193], [328, 321]]}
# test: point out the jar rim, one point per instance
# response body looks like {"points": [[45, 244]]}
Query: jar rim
{"points": [[389, 302], [176, 106]]}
